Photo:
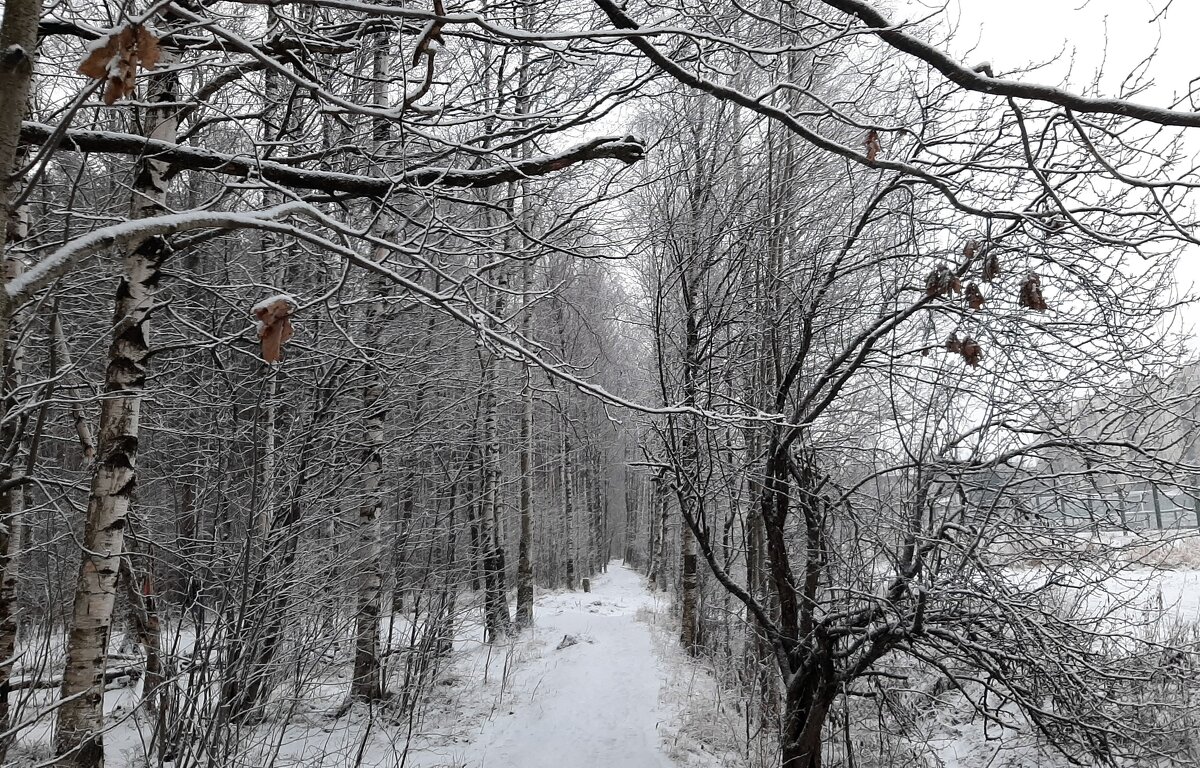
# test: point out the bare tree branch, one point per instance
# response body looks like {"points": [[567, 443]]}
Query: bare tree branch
{"points": [[980, 79], [626, 149]]}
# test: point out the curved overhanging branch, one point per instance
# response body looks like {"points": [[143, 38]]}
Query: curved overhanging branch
{"points": [[979, 79], [968, 78], [734, 96], [62, 260], [624, 148], [68, 255]]}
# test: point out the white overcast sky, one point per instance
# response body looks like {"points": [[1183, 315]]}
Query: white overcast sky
{"points": [[1076, 38], [1115, 34]]}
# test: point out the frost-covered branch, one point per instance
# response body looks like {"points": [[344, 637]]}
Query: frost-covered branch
{"points": [[62, 260], [626, 149], [979, 78]]}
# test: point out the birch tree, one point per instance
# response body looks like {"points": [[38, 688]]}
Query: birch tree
{"points": [[79, 728]]}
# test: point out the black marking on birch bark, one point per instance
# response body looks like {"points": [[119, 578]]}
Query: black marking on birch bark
{"points": [[154, 250], [125, 375], [123, 452], [15, 56], [122, 294], [91, 752]]}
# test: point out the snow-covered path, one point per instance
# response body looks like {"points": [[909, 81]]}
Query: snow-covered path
{"points": [[589, 705]]}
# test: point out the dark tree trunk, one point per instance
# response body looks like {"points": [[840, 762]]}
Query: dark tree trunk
{"points": [[805, 711]]}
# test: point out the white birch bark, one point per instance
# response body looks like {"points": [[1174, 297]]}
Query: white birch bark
{"points": [[495, 601], [524, 612], [367, 683], [18, 38], [568, 500], [524, 616], [11, 494], [79, 727]]}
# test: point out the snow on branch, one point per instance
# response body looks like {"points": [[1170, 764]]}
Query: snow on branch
{"points": [[62, 260], [979, 78], [626, 149]]}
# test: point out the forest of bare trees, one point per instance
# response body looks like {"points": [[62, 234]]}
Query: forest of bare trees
{"points": [[335, 333]]}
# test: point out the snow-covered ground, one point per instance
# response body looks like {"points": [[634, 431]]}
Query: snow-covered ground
{"points": [[598, 682], [595, 682], [585, 690]]}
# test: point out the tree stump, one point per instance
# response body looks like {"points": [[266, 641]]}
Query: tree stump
{"points": [[587, 585]]}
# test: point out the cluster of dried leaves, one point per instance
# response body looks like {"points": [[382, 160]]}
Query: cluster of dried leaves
{"points": [[942, 281], [967, 347], [1031, 294], [116, 57]]}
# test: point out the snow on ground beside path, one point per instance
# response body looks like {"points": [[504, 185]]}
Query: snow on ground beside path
{"points": [[616, 694], [585, 688]]}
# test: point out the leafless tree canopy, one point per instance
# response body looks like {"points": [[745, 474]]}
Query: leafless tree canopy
{"points": [[334, 332]]}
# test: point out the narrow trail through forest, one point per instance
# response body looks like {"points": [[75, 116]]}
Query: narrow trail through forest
{"points": [[589, 704]]}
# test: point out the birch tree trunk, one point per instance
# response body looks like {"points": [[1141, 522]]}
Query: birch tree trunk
{"points": [[78, 734], [367, 684], [495, 601], [18, 38], [689, 583], [524, 616], [12, 497]]}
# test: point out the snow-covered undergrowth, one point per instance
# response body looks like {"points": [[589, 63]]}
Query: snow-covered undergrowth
{"points": [[581, 688], [705, 723], [600, 680], [947, 714]]}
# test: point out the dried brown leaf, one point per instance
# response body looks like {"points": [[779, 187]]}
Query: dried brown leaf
{"points": [[871, 142], [95, 65], [116, 61], [941, 281], [971, 351], [148, 52], [274, 327], [974, 296], [991, 266], [1031, 294]]}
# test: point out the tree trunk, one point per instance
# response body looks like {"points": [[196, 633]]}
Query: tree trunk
{"points": [[367, 684], [524, 554], [805, 712], [18, 39], [495, 601], [12, 495], [689, 580], [568, 503], [524, 617], [78, 735], [12, 510], [147, 628], [662, 498]]}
